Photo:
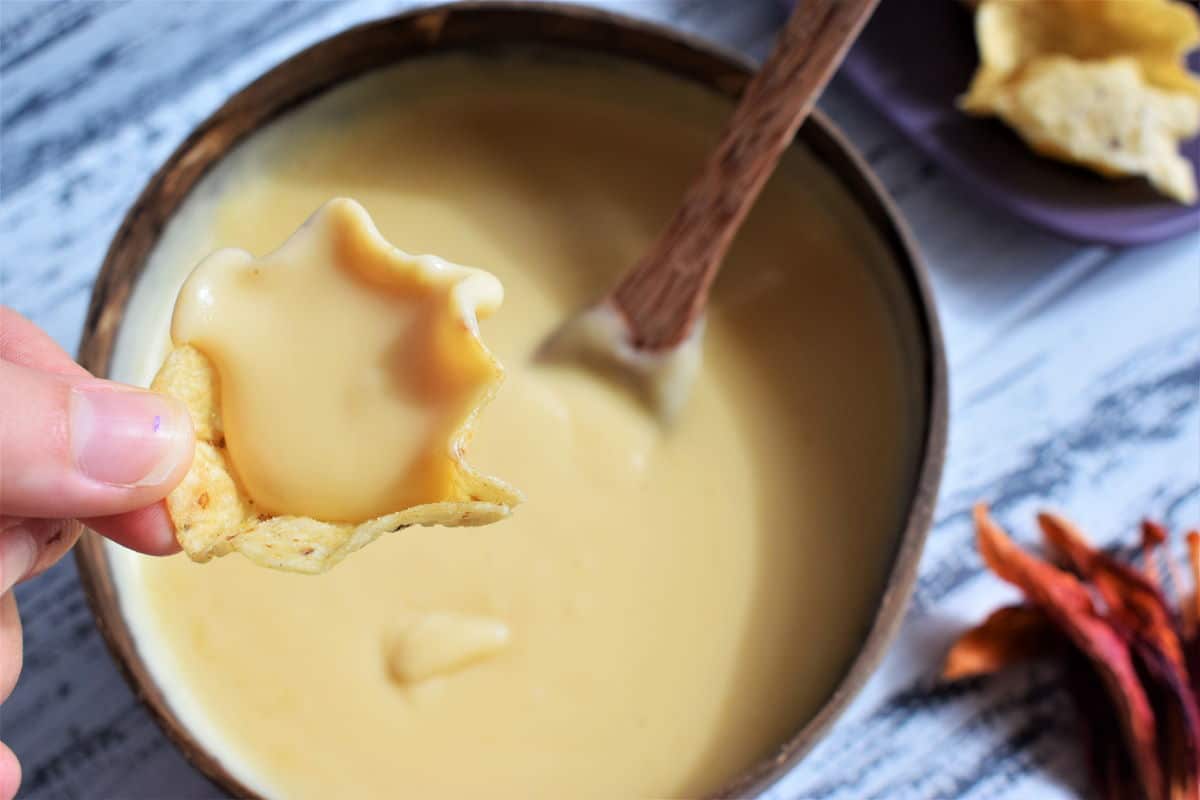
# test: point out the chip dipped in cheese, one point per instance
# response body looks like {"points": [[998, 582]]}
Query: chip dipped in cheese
{"points": [[332, 384]]}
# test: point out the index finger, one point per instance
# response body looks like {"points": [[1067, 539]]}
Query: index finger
{"points": [[147, 530]]}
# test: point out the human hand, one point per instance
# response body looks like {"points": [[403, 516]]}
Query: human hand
{"points": [[74, 447]]}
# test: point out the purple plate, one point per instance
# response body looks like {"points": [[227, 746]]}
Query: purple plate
{"points": [[916, 57]]}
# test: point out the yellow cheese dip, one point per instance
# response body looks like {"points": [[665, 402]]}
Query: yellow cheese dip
{"points": [[675, 602]]}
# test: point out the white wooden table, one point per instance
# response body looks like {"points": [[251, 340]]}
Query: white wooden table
{"points": [[1075, 383]]}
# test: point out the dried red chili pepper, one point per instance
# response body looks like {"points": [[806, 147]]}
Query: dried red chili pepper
{"points": [[1008, 636], [1133, 661]]}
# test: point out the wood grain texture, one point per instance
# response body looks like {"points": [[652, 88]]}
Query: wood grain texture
{"points": [[1075, 384], [664, 294]]}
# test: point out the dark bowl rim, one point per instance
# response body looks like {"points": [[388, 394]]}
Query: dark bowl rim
{"points": [[466, 25]]}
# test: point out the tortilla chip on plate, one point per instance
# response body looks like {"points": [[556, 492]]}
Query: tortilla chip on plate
{"points": [[1100, 83], [1102, 115], [1157, 33]]}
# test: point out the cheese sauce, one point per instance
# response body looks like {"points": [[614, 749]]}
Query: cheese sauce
{"points": [[672, 602]]}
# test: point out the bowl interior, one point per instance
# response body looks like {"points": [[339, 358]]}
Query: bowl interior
{"points": [[485, 28]]}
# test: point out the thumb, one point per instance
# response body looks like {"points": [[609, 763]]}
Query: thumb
{"points": [[77, 446]]}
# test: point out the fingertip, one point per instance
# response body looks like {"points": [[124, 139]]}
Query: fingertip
{"points": [[130, 438], [10, 669], [10, 773], [147, 530], [87, 448], [11, 645]]}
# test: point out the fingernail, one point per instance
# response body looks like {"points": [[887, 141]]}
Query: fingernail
{"points": [[18, 553], [127, 438]]}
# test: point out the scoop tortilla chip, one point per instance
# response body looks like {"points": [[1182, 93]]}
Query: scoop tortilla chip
{"points": [[1101, 115], [214, 515]]}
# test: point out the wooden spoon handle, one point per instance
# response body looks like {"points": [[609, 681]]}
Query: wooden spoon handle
{"points": [[664, 293]]}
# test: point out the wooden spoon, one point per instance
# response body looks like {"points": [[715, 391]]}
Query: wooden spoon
{"points": [[649, 326]]}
